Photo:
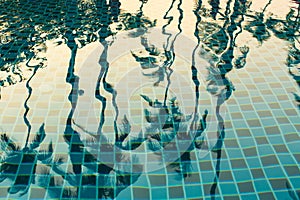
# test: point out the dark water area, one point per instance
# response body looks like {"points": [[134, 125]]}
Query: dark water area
{"points": [[149, 99]]}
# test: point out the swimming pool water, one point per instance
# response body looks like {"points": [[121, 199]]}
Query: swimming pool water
{"points": [[149, 99]]}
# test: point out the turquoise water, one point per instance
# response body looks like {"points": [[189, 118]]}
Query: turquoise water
{"points": [[149, 100]]}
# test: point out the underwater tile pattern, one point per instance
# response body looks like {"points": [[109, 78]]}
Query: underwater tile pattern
{"points": [[149, 99]]}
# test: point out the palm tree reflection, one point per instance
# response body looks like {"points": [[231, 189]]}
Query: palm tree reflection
{"points": [[288, 30], [110, 181], [220, 41], [20, 165], [258, 26], [113, 177]]}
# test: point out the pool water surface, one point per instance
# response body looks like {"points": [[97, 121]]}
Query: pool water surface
{"points": [[149, 99]]}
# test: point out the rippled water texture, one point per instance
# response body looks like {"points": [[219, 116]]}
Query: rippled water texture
{"points": [[177, 99]]}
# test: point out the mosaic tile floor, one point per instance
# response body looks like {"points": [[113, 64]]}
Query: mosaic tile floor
{"points": [[149, 99]]}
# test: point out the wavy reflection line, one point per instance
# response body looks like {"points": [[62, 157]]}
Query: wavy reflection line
{"points": [[218, 147], [70, 135], [170, 54], [104, 65], [185, 158], [27, 108], [98, 87], [230, 26], [169, 20], [109, 88], [72, 138], [193, 67], [73, 80]]}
